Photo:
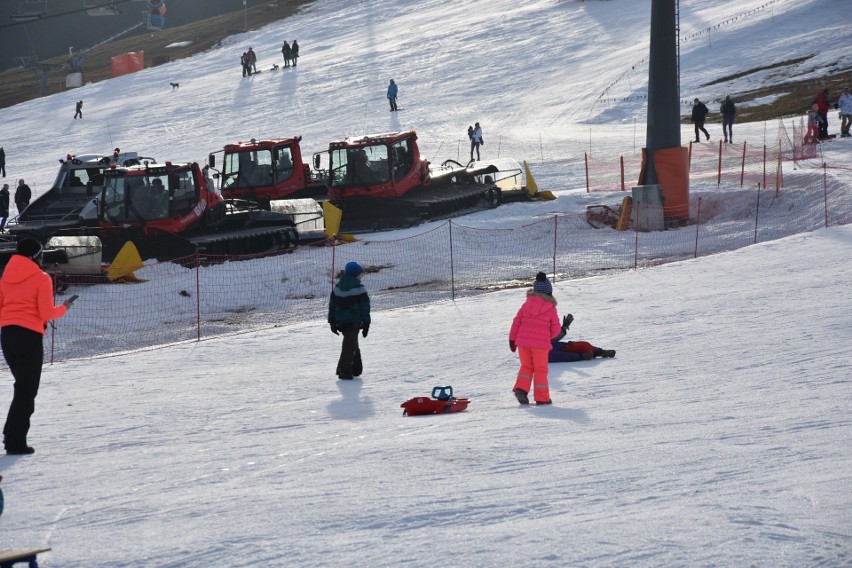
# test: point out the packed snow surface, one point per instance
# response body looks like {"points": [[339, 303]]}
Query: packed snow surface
{"points": [[718, 436]]}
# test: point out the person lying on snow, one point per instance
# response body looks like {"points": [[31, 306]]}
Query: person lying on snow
{"points": [[570, 351]]}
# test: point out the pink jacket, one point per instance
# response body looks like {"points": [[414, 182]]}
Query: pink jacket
{"points": [[536, 323]]}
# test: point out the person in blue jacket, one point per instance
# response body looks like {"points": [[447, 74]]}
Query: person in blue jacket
{"points": [[349, 313], [392, 92], [570, 351]]}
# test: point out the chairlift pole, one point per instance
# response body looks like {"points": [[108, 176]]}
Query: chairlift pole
{"points": [[663, 88]]}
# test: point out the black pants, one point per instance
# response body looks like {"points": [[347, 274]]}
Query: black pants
{"points": [[349, 364], [24, 353], [474, 146], [823, 125], [700, 126]]}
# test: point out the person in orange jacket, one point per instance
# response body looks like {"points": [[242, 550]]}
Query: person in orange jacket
{"points": [[535, 324], [26, 305]]}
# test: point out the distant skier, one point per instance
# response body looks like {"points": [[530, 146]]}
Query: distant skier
{"points": [[533, 328], [294, 52], [569, 351], [349, 313], [79, 112], [23, 194], [251, 59], [393, 90], [4, 206], [728, 110], [699, 113], [475, 141], [822, 103], [245, 63], [285, 51], [845, 104], [812, 136]]}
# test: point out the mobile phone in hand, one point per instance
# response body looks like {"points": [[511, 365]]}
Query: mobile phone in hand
{"points": [[72, 298]]}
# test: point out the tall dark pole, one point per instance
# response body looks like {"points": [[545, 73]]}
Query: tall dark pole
{"points": [[663, 89]]}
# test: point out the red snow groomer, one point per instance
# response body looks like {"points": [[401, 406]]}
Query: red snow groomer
{"points": [[442, 402]]}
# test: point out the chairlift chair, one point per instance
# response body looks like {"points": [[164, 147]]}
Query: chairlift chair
{"points": [[93, 8], [29, 10]]}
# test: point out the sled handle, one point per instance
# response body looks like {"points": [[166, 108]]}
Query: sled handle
{"points": [[442, 393]]}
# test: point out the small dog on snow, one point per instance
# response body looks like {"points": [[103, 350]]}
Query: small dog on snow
{"points": [[175, 85], [274, 67]]}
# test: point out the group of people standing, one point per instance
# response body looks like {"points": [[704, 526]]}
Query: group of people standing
{"points": [[248, 59], [728, 110], [818, 116], [290, 53], [23, 195]]}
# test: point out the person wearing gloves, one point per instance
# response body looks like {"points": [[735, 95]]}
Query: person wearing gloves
{"points": [[26, 305], [349, 313], [570, 351], [533, 328]]}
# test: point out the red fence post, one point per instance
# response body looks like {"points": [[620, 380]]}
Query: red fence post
{"points": [[764, 166], [742, 167]]}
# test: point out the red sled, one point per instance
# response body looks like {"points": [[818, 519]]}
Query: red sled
{"points": [[442, 402]]}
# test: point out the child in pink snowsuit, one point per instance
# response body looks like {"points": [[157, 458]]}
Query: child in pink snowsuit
{"points": [[532, 329]]}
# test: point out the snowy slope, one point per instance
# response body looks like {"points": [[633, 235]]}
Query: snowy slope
{"points": [[718, 436]]}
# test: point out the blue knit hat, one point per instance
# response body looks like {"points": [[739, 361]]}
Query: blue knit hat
{"points": [[542, 284], [353, 268]]}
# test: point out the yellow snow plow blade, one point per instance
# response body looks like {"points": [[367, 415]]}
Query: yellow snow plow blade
{"points": [[126, 261], [333, 217], [532, 186]]}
